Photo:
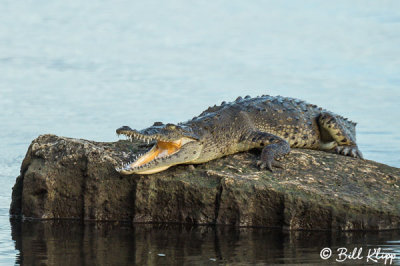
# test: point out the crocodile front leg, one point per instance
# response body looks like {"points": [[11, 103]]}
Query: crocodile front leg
{"points": [[273, 147]]}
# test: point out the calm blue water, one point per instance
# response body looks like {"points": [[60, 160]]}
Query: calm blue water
{"points": [[84, 68]]}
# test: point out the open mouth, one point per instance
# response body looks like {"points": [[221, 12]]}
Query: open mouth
{"points": [[161, 151]]}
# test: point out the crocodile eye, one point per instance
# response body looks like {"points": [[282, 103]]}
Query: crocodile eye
{"points": [[171, 126], [157, 124]]}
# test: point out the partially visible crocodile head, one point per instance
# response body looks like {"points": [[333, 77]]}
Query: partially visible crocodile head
{"points": [[175, 144]]}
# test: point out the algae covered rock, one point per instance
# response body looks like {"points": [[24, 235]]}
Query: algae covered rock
{"points": [[73, 178]]}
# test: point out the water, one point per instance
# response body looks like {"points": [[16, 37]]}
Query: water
{"points": [[71, 243], [82, 69]]}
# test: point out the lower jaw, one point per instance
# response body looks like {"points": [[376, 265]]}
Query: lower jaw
{"points": [[149, 171]]}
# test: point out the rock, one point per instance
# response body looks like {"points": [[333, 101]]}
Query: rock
{"points": [[73, 178]]}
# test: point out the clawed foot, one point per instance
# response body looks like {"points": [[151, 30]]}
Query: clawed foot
{"points": [[268, 164], [271, 153], [352, 151]]}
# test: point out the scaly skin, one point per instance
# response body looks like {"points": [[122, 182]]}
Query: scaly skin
{"points": [[273, 124]]}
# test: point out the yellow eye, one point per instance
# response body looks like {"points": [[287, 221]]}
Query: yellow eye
{"points": [[171, 126]]}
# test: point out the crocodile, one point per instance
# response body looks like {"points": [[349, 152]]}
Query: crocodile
{"points": [[274, 124]]}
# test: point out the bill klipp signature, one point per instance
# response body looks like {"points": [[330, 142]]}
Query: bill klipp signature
{"points": [[372, 255]]}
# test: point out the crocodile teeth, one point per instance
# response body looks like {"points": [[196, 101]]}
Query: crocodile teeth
{"points": [[137, 136]]}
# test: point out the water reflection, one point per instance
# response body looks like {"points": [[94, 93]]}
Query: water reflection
{"points": [[105, 243]]}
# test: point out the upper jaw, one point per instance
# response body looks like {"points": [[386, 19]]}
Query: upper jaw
{"points": [[143, 135], [157, 132]]}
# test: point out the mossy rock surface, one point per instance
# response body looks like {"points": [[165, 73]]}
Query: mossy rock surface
{"points": [[74, 178]]}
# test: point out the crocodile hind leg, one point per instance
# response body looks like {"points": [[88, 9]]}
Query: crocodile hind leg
{"points": [[342, 132], [273, 148]]}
